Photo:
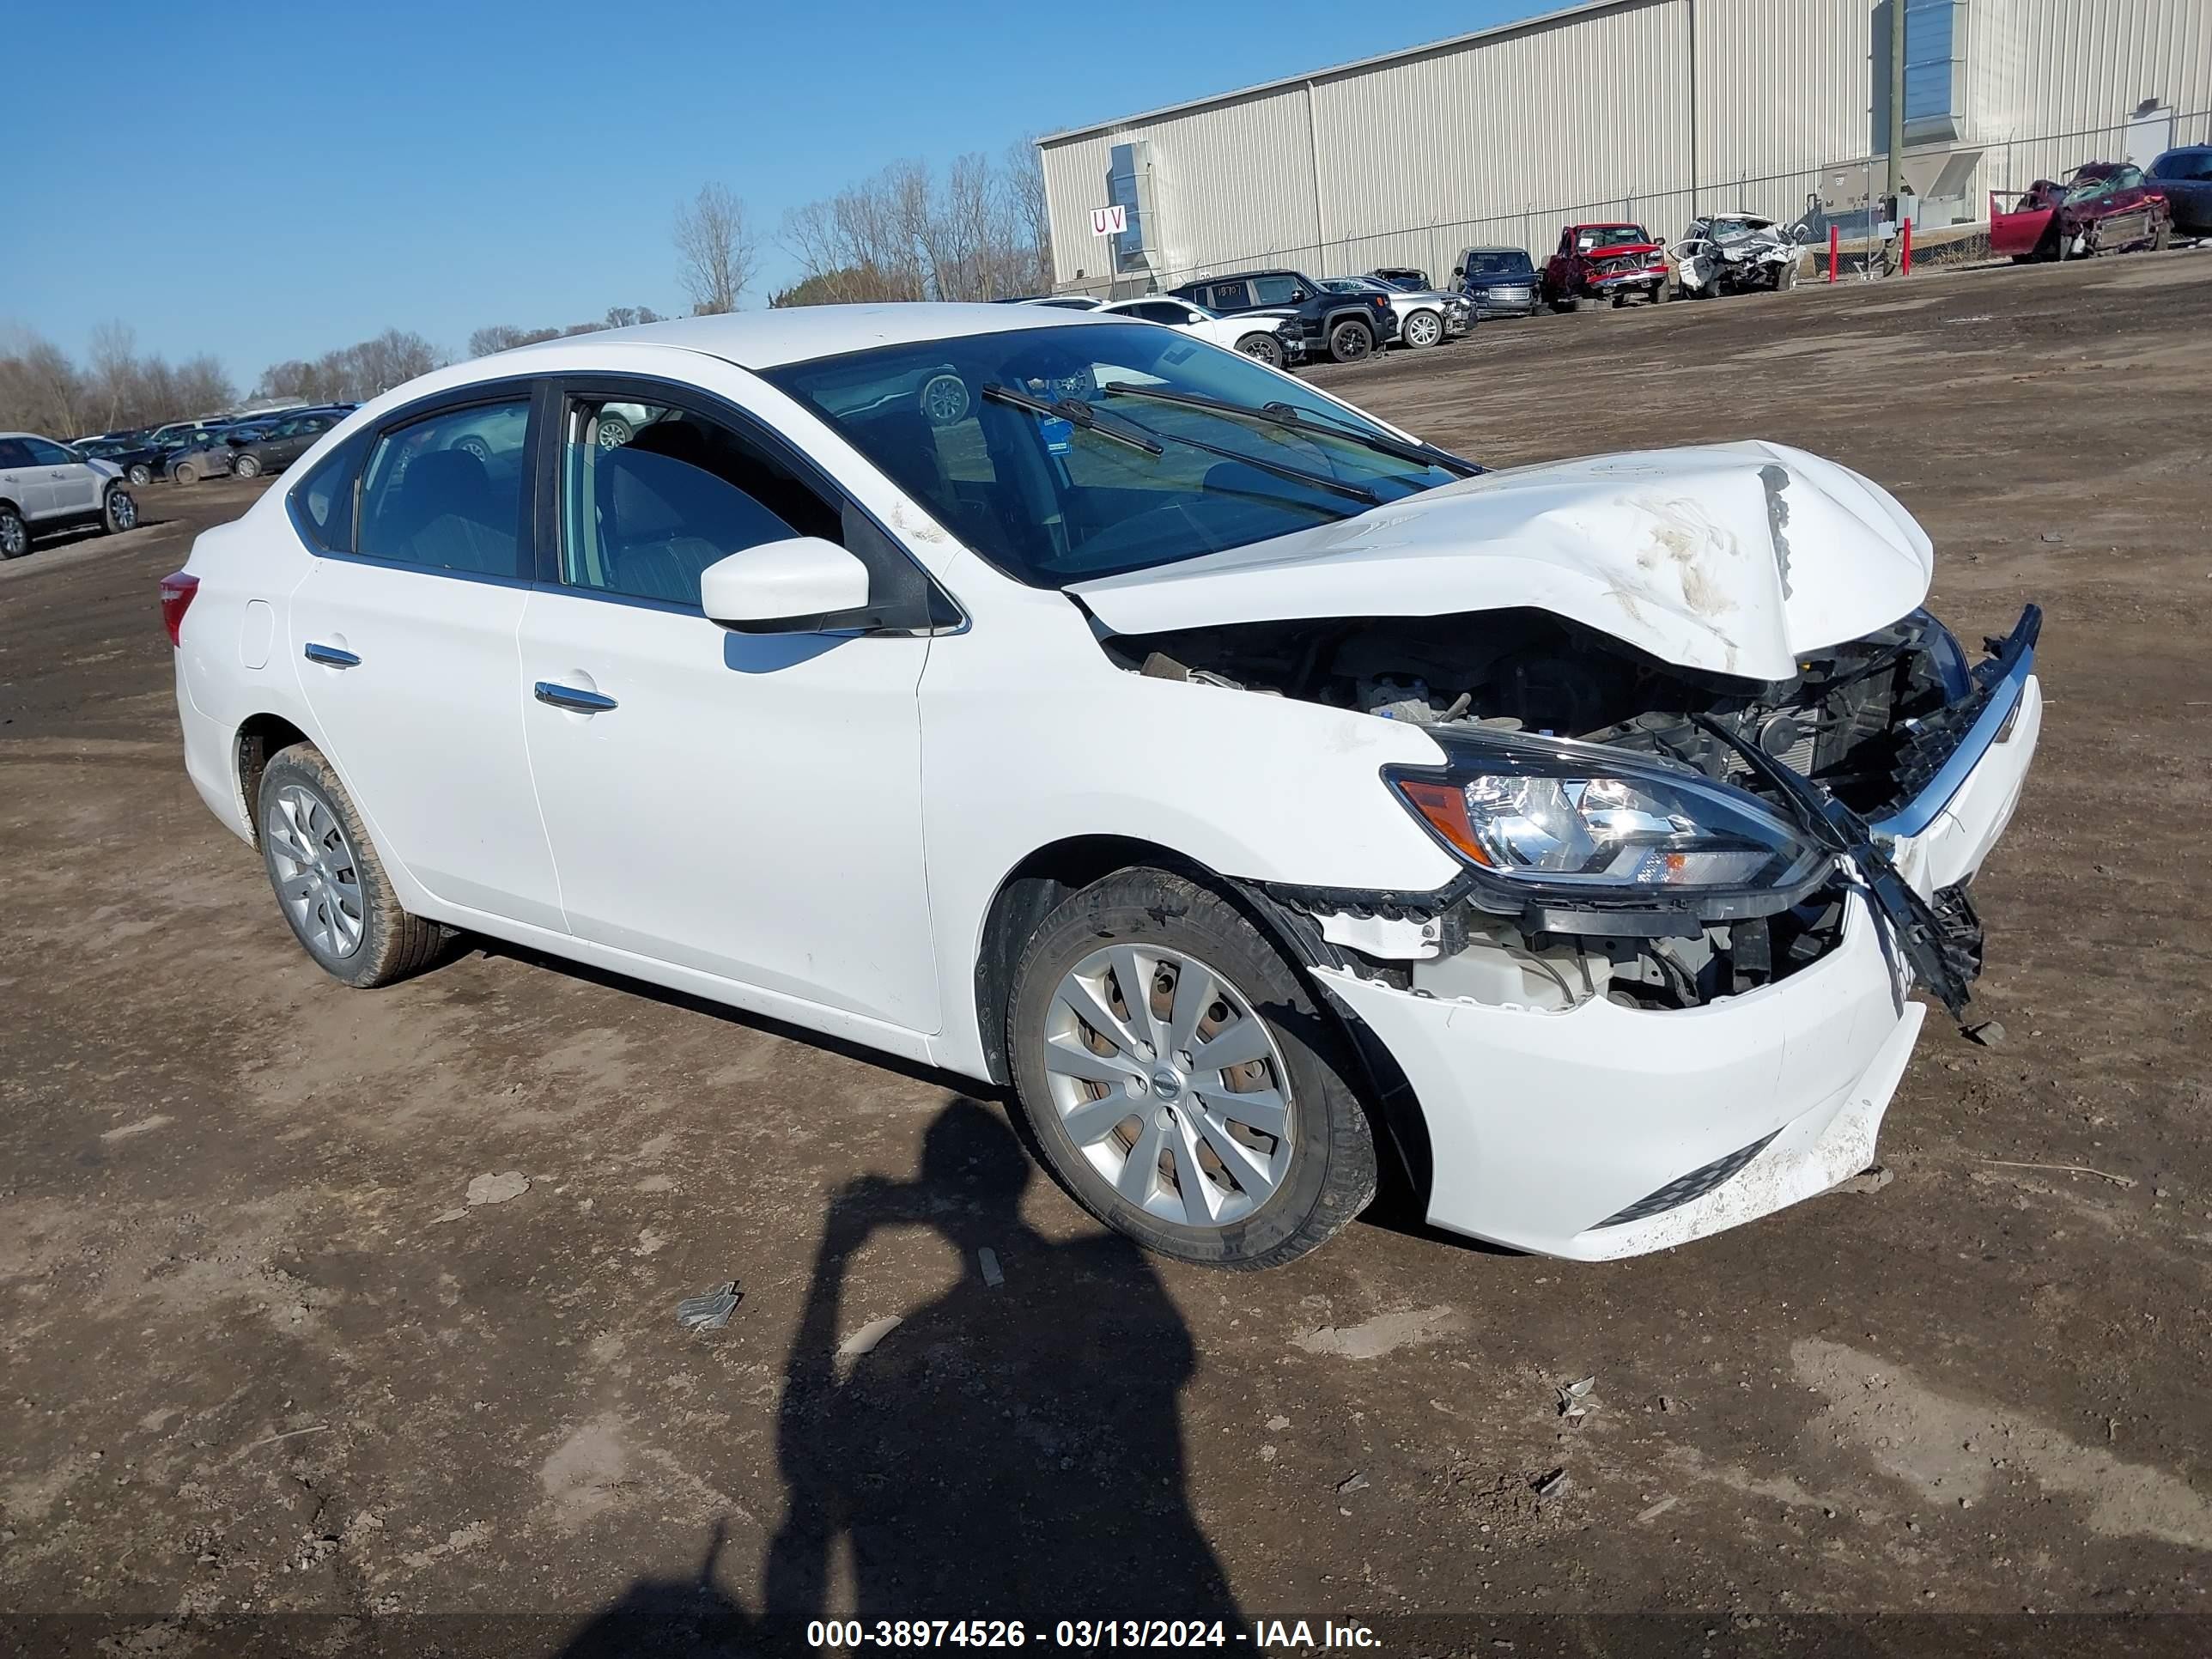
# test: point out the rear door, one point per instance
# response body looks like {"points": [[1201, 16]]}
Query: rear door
{"points": [[746, 805], [22, 483], [404, 636]]}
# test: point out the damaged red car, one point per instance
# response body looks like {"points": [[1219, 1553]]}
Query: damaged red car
{"points": [[1601, 262], [2102, 207]]}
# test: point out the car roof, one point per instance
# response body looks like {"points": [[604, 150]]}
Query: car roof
{"points": [[792, 334]]}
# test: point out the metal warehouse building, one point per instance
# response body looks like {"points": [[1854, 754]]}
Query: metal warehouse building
{"points": [[1648, 109]]}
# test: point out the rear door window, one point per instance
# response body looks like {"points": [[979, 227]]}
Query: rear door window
{"points": [[1229, 296], [446, 492]]}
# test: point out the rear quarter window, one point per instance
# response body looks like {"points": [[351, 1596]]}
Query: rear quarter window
{"points": [[322, 502]]}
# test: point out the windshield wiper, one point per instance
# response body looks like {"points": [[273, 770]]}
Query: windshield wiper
{"points": [[1295, 419], [1076, 412], [1138, 435]]}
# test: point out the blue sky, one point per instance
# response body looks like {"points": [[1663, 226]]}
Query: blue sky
{"points": [[316, 173]]}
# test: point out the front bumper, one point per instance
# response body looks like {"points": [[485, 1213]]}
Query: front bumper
{"points": [[1613, 280], [1606, 1131]]}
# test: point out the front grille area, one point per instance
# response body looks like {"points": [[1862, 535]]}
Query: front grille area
{"points": [[1683, 1189]]}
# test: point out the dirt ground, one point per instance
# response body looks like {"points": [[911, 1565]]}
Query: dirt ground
{"points": [[260, 1354]]}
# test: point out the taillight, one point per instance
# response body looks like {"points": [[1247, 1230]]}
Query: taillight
{"points": [[177, 593]]}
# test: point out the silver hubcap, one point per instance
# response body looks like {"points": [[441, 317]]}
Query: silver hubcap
{"points": [[613, 435], [14, 539], [125, 511], [1168, 1084], [318, 882], [247, 466], [1422, 331]]}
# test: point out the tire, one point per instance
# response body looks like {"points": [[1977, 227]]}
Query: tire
{"points": [[15, 534], [474, 445], [2160, 237], [118, 512], [245, 466], [183, 475], [322, 865], [1421, 330], [1350, 341], [1564, 303], [1294, 1188], [945, 400], [1262, 347], [140, 475], [613, 432]]}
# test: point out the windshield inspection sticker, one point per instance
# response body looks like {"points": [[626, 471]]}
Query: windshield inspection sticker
{"points": [[1059, 435]]}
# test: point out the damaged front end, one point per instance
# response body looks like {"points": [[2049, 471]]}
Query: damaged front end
{"points": [[1631, 830]]}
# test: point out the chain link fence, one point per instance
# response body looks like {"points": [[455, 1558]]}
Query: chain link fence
{"points": [[1844, 195]]}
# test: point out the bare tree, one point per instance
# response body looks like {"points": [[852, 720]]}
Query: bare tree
{"points": [[717, 255], [900, 235]]}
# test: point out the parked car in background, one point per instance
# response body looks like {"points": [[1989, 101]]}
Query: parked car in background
{"points": [[122, 438], [1497, 282], [273, 448], [2101, 207], [46, 486], [1576, 885], [2184, 177], [177, 432], [1276, 340], [1734, 253], [1064, 301], [1404, 276], [1426, 316], [1614, 261], [208, 455], [1344, 327], [140, 459]]}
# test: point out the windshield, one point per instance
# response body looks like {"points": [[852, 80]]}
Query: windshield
{"points": [[1051, 501], [1509, 263], [1592, 236]]}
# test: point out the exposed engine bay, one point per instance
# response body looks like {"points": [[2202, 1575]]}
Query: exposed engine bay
{"points": [[1858, 730]]}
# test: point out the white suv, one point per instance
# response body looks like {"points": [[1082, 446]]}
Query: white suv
{"points": [[1258, 795], [45, 485]]}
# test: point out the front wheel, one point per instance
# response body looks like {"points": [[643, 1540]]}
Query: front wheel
{"points": [[141, 475], [1350, 341], [1422, 329], [1564, 303], [1182, 1081], [245, 466], [330, 883], [15, 534], [473, 444], [118, 512], [1262, 347]]}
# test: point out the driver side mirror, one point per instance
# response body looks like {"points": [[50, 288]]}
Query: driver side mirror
{"points": [[1459, 273], [802, 585]]}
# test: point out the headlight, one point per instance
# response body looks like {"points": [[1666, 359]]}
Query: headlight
{"points": [[1573, 815]]}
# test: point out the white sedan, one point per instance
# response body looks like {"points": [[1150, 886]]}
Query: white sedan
{"points": [[1256, 794], [1275, 340]]}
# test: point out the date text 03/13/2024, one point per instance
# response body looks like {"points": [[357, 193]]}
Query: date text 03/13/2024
{"points": [[1263, 1634]]}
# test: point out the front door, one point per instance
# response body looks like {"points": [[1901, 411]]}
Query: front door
{"points": [[74, 486], [745, 805], [406, 650]]}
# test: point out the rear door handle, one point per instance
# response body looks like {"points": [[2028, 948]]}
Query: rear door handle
{"points": [[570, 696], [330, 657]]}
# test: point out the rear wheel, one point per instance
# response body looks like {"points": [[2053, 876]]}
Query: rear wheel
{"points": [[1262, 347], [330, 883], [141, 474], [1422, 329], [1350, 341], [473, 444], [1180, 1079], [15, 534], [184, 474], [245, 466]]}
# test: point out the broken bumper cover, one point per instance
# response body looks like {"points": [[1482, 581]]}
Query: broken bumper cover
{"points": [[1606, 1131], [1613, 279]]}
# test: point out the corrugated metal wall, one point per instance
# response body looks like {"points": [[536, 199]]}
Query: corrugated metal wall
{"points": [[2053, 81], [1505, 138]]}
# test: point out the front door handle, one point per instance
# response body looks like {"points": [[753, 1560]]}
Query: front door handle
{"points": [[330, 657], [570, 696]]}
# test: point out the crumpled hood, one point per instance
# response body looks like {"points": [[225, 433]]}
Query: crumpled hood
{"points": [[1733, 558]]}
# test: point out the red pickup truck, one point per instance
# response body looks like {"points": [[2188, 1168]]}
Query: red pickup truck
{"points": [[2103, 207], [1604, 261]]}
